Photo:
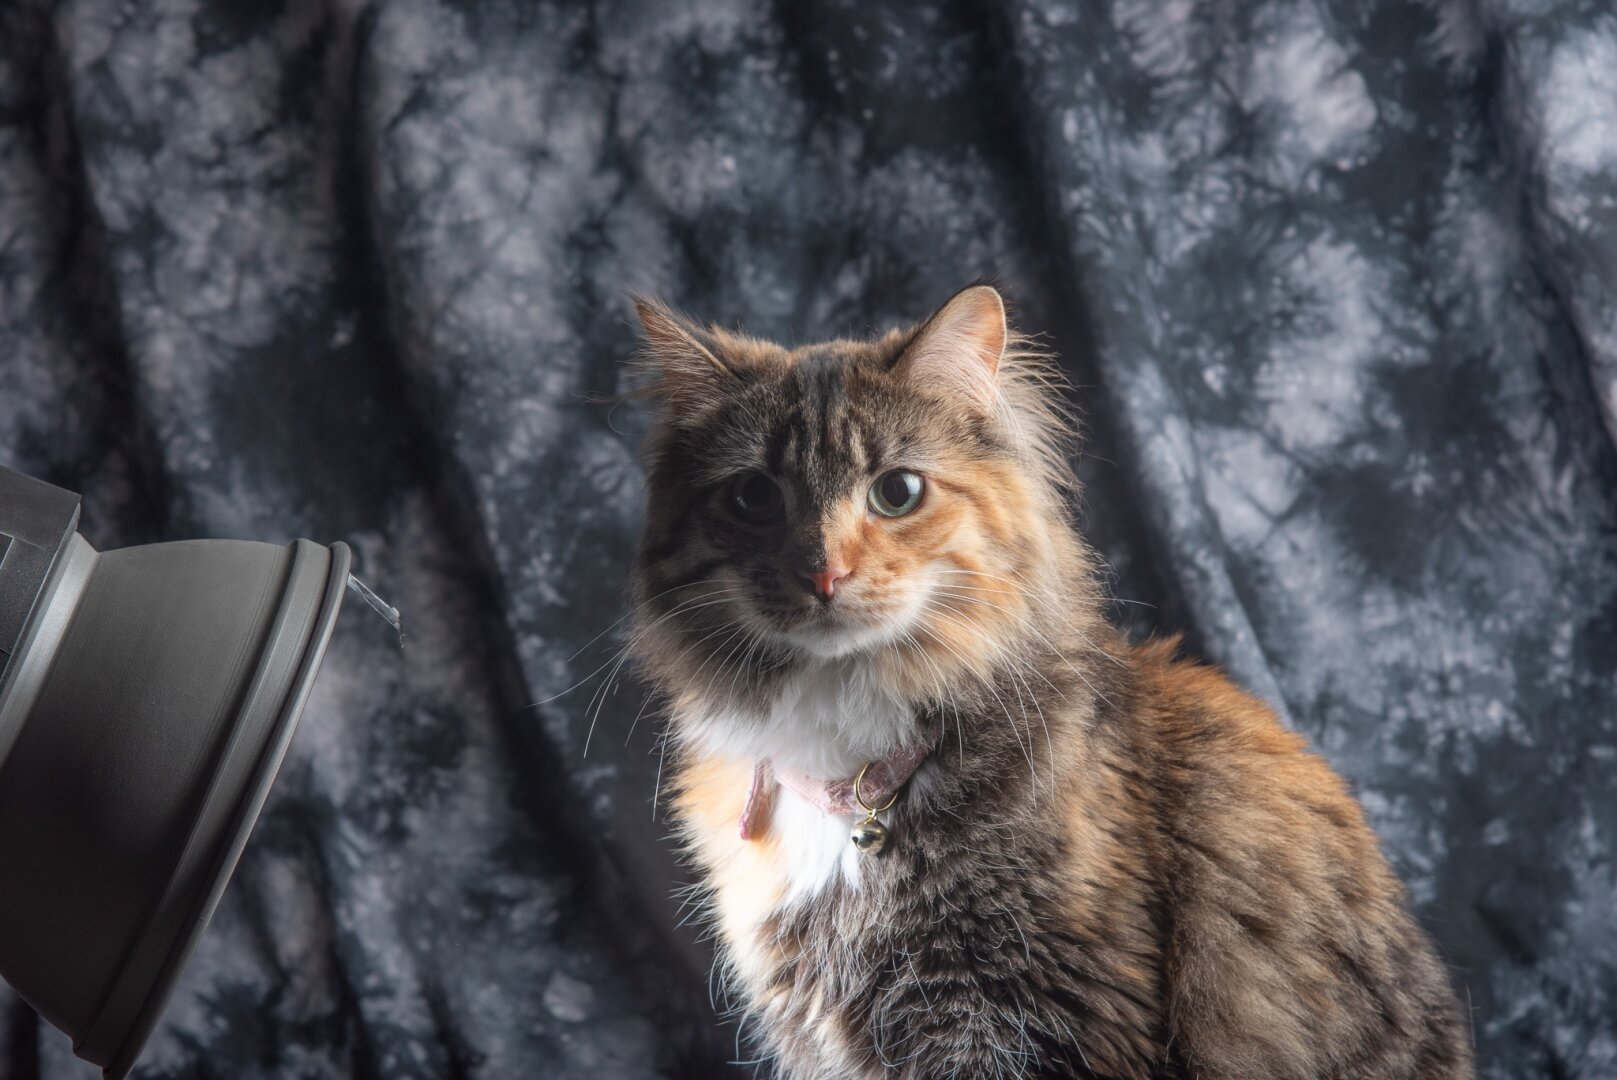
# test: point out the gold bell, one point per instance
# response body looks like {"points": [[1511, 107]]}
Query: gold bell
{"points": [[870, 835]]}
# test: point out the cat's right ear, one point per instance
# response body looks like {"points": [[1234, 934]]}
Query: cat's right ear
{"points": [[680, 361]]}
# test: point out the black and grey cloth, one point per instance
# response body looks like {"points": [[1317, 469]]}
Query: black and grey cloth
{"points": [[1334, 281]]}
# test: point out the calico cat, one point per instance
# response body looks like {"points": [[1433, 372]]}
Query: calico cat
{"points": [[948, 821]]}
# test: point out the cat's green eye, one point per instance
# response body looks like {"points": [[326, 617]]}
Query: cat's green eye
{"points": [[896, 493], [755, 496]]}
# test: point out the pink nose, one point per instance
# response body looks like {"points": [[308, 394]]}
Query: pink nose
{"points": [[825, 581]]}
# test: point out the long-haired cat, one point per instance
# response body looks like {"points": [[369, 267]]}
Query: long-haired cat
{"points": [[950, 822]]}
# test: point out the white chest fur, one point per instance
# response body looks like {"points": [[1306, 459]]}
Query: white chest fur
{"points": [[831, 718], [827, 720], [816, 846]]}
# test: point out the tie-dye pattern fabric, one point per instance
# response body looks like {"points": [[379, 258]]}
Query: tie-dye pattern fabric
{"points": [[1335, 282]]}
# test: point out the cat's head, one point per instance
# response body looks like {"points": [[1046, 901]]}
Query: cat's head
{"points": [[897, 499]]}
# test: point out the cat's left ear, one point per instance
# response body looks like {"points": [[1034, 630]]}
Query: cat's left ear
{"points": [[959, 348]]}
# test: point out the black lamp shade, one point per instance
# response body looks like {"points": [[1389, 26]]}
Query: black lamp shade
{"points": [[145, 706]]}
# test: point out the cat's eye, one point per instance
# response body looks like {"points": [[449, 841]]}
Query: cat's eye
{"points": [[755, 496], [896, 493]]}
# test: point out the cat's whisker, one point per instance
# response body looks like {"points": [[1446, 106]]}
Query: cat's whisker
{"points": [[1016, 687], [1026, 588], [752, 644], [988, 685], [741, 649], [635, 610], [736, 631], [613, 658], [1021, 621], [945, 695], [706, 600], [644, 705], [657, 781], [1019, 587], [1016, 668], [712, 632], [597, 701], [1044, 723], [1045, 640]]}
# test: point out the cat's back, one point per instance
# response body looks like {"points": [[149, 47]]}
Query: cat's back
{"points": [[1291, 950]]}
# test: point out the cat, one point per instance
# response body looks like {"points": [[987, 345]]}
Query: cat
{"points": [[947, 820]]}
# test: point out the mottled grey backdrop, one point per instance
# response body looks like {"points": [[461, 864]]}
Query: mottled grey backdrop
{"points": [[1335, 281]]}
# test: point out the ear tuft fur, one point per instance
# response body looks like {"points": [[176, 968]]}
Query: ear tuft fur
{"points": [[679, 361], [959, 348]]}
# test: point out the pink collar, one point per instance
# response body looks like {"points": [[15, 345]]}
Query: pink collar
{"points": [[882, 781]]}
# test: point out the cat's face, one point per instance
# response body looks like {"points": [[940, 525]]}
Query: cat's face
{"points": [[854, 498], [834, 503]]}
